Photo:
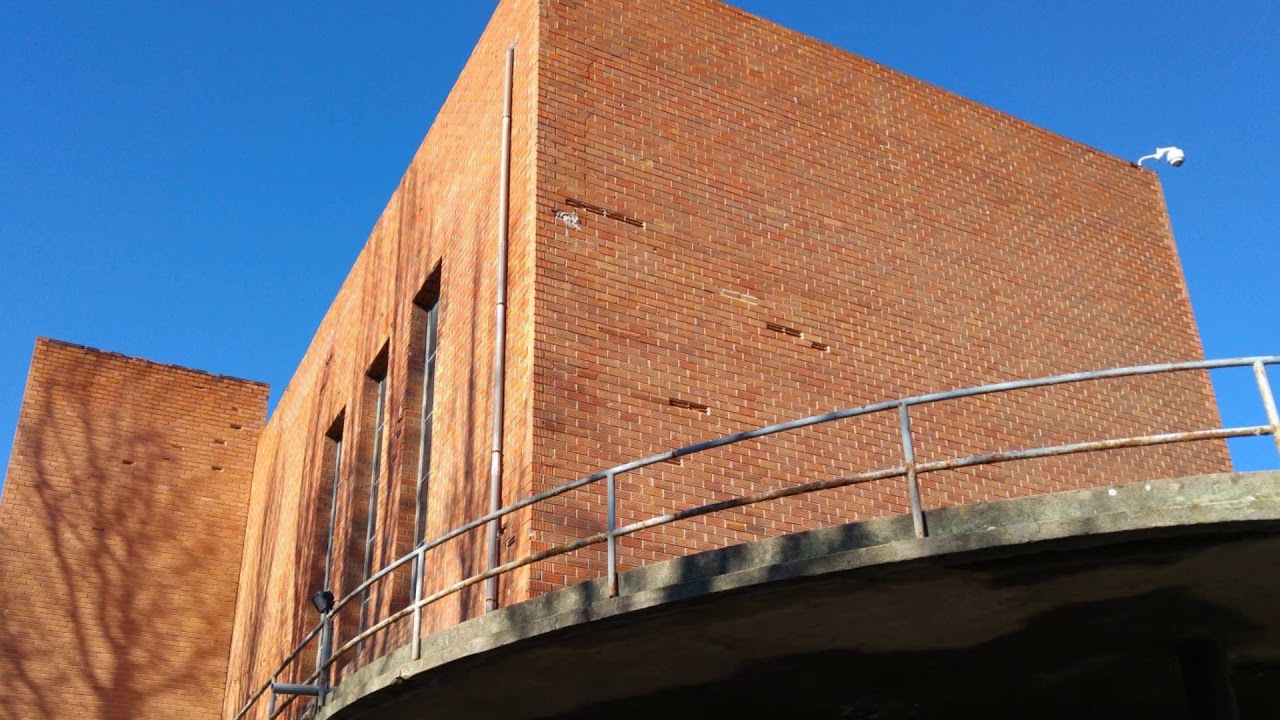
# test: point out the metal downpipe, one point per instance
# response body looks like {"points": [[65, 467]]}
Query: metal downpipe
{"points": [[500, 338]]}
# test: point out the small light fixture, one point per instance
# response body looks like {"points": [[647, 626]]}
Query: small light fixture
{"points": [[1172, 155], [323, 600]]}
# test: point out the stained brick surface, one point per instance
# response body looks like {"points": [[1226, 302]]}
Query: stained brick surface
{"points": [[928, 241], [121, 527], [443, 216]]}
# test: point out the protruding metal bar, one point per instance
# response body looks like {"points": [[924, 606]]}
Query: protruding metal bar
{"points": [[1268, 401], [913, 484], [271, 701], [610, 539], [419, 572]]}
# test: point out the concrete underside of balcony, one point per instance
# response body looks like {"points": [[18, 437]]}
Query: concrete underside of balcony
{"points": [[1112, 602]]}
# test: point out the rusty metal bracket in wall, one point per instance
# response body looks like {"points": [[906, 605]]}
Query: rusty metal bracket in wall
{"points": [[605, 212]]}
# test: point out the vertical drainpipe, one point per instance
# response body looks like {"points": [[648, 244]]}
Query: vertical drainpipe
{"points": [[500, 337]]}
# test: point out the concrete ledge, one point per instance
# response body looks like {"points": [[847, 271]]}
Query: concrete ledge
{"points": [[1023, 526]]}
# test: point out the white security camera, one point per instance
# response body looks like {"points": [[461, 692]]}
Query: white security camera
{"points": [[1172, 155]]}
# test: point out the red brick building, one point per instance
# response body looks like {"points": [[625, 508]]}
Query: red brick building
{"points": [[715, 223], [121, 530]]}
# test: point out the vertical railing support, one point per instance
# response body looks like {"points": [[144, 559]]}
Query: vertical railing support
{"points": [[271, 700], [419, 572], [1268, 401], [610, 540], [913, 485], [322, 659]]}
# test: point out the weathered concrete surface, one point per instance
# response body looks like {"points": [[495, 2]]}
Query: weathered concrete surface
{"points": [[1063, 605]]}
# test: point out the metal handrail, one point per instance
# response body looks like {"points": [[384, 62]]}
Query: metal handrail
{"points": [[910, 469]]}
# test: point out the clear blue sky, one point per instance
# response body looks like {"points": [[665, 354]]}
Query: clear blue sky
{"points": [[190, 182]]}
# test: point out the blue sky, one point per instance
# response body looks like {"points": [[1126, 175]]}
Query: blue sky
{"points": [[190, 182]]}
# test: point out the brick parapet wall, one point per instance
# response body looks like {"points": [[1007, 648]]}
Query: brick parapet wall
{"points": [[121, 527]]}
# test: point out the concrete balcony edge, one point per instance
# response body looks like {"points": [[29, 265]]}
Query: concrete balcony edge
{"points": [[1225, 502]]}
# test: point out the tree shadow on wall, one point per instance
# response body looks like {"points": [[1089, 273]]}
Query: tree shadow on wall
{"points": [[471, 549], [259, 609], [463, 495], [114, 623]]}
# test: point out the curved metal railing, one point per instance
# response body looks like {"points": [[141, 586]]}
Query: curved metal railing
{"points": [[317, 683]]}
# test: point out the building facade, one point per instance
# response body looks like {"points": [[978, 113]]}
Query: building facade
{"points": [[715, 224], [121, 531]]}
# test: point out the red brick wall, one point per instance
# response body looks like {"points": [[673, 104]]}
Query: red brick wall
{"points": [[730, 175], [931, 242], [121, 526], [442, 216]]}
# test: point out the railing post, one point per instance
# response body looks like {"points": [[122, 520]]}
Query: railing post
{"points": [[419, 572], [611, 541], [322, 660], [271, 700], [1268, 401], [913, 486]]}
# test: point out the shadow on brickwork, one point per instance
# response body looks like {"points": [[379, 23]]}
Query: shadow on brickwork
{"points": [[463, 495], [471, 549], [102, 658], [260, 649], [265, 650]]}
